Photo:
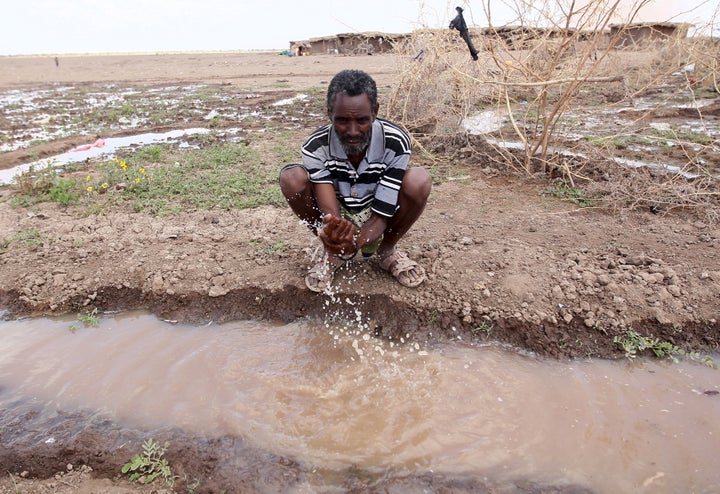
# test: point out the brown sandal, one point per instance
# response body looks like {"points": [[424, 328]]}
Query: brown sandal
{"points": [[406, 271], [320, 276]]}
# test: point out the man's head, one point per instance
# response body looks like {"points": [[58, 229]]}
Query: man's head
{"points": [[352, 108], [459, 10], [352, 83]]}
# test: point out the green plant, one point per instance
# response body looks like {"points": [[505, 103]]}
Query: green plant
{"points": [[145, 467], [278, 246], [89, 319], [569, 193], [485, 327], [61, 192], [152, 153], [31, 237], [632, 343], [36, 182], [191, 486]]}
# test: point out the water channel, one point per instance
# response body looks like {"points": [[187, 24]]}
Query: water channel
{"points": [[334, 397]]}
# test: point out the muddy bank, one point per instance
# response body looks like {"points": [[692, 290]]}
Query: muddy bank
{"points": [[512, 265]]}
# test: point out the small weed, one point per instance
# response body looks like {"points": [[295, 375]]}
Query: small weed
{"points": [[484, 327], [62, 192], [16, 489], [36, 182], [152, 153], [279, 246], [145, 467], [89, 319], [570, 194], [4, 244], [30, 237], [191, 486], [632, 343]]}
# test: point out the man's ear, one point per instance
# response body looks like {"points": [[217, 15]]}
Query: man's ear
{"points": [[375, 110]]}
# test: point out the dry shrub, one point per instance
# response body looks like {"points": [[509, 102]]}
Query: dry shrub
{"points": [[704, 54], [534, 77], [659, 193], [434, 95]]}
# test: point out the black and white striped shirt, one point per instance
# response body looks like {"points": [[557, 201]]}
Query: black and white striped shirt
{"points": [[376, 181]]}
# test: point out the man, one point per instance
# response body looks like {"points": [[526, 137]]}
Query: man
{"points": [[459, 23], [354, 188]]}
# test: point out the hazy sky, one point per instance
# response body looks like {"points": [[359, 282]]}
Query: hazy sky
{"points": [[101, 26]]}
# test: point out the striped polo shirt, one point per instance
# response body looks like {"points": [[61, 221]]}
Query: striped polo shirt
{"points": [[376, 181]]}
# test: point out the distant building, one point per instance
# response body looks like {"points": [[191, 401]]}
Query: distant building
{"points": [[643, 34], [349, 43]]}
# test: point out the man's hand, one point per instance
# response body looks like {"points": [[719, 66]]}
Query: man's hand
{"points": [[338, 235]]}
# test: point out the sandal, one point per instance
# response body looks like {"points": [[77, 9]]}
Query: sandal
{"points": [[320, 276], [406, 271]]}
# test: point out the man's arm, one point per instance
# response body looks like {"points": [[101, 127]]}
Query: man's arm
{"points": [[371, 230], [326, 199]]}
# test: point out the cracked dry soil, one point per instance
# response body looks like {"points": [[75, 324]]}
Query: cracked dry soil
{"points": [[506, 263]]}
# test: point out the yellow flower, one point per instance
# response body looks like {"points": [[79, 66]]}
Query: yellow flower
{"points": [[87, 178], [137, 180], [141, 170], [105, 185], [89, 189]]}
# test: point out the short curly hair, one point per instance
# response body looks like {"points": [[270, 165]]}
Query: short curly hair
{"points": [[352, 83]]}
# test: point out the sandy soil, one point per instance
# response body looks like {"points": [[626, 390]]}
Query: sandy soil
{"points": [[506, 263]]}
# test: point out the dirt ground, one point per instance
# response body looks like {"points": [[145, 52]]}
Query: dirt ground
{"points": [[506, 262]]}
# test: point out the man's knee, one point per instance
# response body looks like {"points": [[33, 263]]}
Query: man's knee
{"points": [[417, 184], [293, 180]]}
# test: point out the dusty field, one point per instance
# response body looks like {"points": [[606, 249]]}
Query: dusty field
{"points": [[506, 262]]}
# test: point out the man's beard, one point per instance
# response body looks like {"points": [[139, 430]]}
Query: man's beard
{"points": [[358, 148]]}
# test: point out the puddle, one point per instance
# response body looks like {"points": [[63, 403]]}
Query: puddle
{"points": [[111, 145], [484, 122], [664, 168], [290, 101], [335, 399]]}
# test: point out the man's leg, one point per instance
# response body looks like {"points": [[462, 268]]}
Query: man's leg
{"points": [[297, 189], [414, 193]]}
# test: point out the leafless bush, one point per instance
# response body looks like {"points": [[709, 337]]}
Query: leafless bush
{"points": [[562, 60], [661, 194]]}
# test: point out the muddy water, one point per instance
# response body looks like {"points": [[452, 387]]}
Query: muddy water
{"points": [[334, 397]]}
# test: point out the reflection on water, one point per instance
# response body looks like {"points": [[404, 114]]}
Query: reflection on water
{"points": [[334, 398]]}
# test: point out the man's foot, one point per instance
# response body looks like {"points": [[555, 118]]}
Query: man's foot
{"points": [[320, 276], [406, 271]]}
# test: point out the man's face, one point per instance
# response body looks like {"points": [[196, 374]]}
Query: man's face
{"points": [[352, 117]]}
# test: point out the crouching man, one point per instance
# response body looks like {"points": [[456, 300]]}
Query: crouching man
{"points": [[354, 188]]}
